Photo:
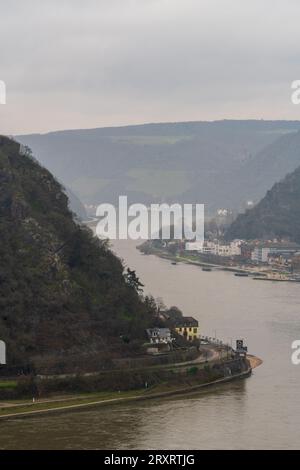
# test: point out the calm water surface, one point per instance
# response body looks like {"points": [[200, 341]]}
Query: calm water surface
{"points": [[260, 412]]}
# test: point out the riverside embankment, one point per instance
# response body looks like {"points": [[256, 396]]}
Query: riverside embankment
{"points": [[22, 410], [165, 390], [195, 261]]}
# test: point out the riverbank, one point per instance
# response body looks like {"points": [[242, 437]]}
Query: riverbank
{"points": [[264, 274], [68, 404], [189, 260]]}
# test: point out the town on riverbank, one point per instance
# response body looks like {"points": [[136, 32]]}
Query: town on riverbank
{"points": [[271, 260]]}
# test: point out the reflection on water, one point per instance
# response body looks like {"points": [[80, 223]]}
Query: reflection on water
{"points": [[260, 412], [129, 427]]}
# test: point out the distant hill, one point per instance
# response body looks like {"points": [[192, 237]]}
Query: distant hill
{"points": [[277, 215], [63, 295], [216, 163], [268, 166]]}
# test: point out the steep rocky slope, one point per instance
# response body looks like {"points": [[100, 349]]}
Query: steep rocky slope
{"points": [[63, 294]]}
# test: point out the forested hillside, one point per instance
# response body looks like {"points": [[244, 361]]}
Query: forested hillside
{"points": [[63, 293], [277, 215]]}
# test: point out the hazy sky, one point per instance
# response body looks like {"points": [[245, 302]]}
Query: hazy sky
{"points": [[80, 64]]}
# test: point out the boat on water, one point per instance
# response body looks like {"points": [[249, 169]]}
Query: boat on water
{"points": [[241, 274], [206, 269], [174, 262]]}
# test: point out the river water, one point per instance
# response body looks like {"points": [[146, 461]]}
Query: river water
{"points": [[260, 412]]}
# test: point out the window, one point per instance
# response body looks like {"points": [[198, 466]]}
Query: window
{"points": [[195, 330], [190, 329], [190, 338]]}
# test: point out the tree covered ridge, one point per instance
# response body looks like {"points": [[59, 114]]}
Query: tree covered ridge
{"points": [[277, 215], [62, 291]]}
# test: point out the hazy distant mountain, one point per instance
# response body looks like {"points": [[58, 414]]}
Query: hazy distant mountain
{"points": [[276, 216], [217, 163]]}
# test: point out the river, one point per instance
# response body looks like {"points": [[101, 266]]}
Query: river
{"points": [[262, 412]]}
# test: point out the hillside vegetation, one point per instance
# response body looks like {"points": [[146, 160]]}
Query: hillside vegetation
{"points": [[63, 294], [277, 215]]}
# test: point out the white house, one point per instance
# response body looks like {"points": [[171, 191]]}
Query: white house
{"points": [[159, 335], [194, 246]]}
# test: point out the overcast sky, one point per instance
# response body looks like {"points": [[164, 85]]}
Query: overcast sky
{"points": [[93, 63]]}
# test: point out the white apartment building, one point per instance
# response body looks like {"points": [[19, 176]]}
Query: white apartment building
{"points": [[231, 249], [194, 246], [260, 254], [215, 248]]}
